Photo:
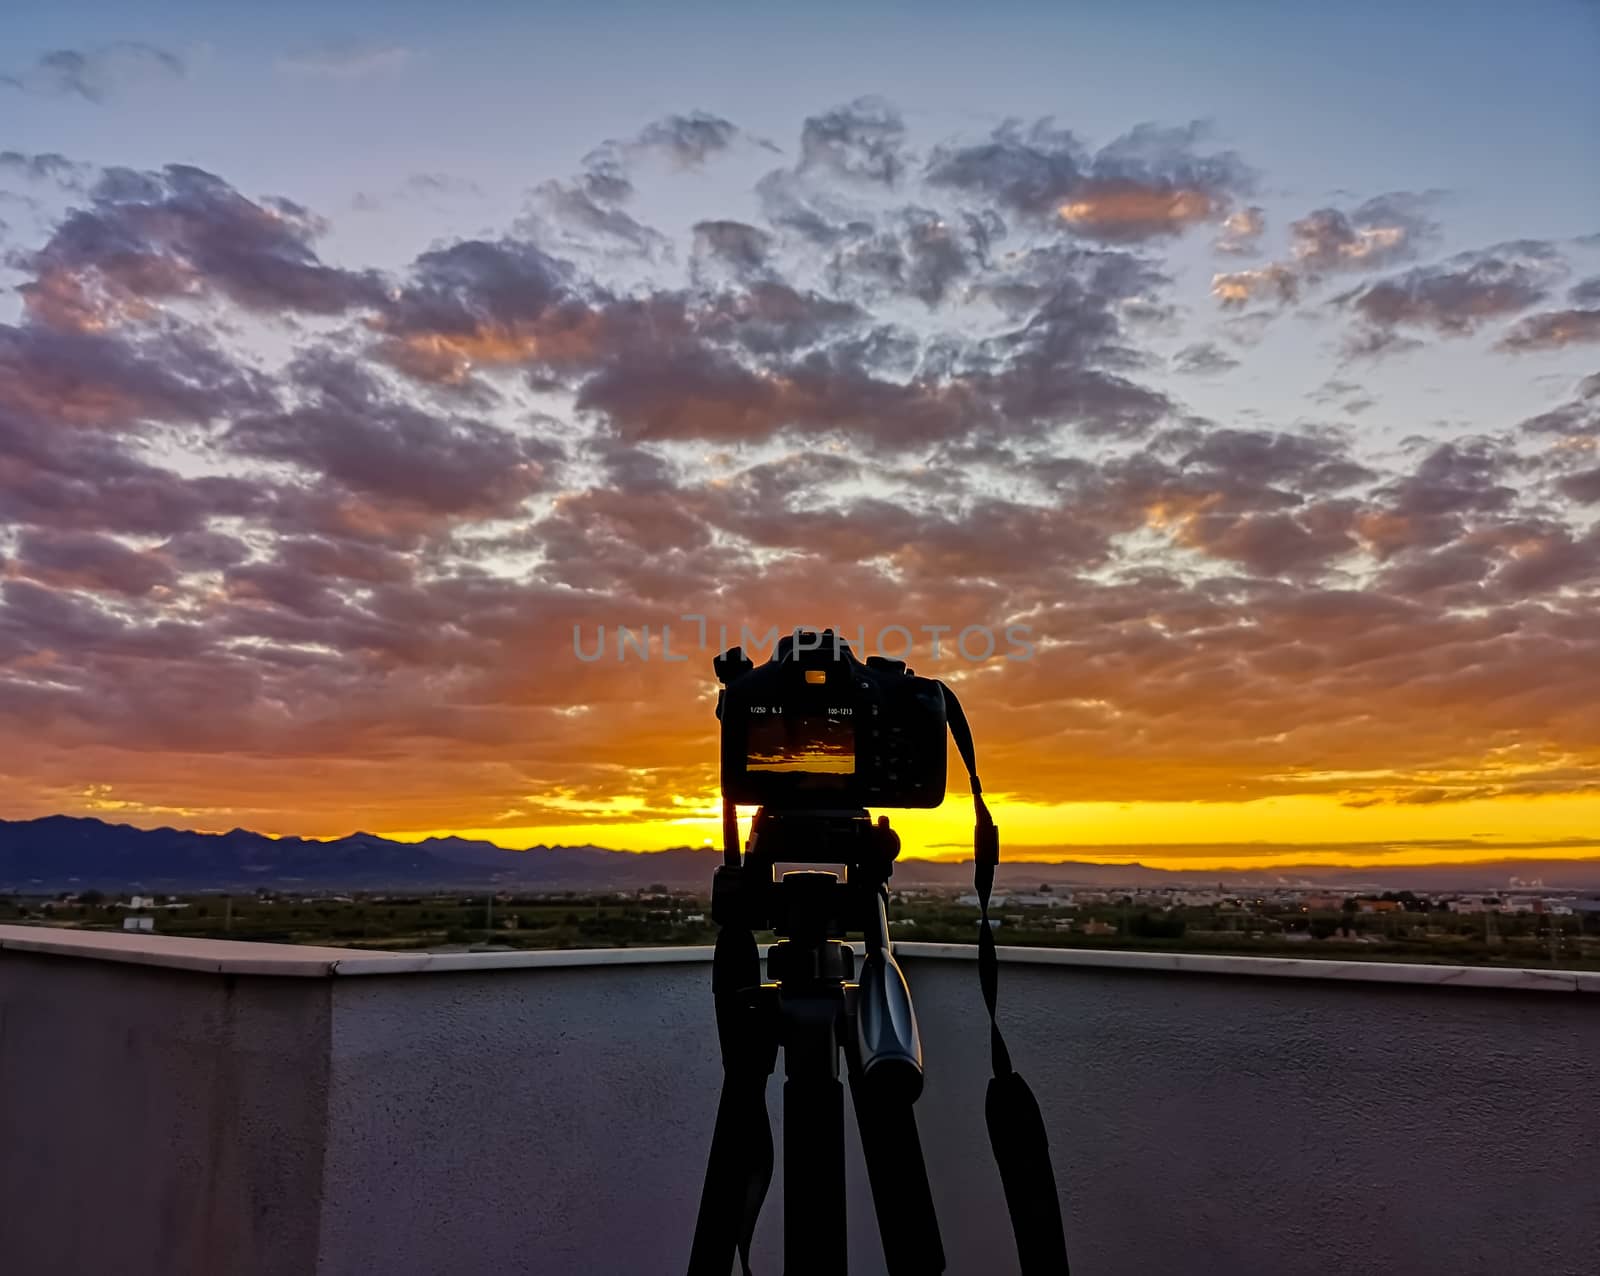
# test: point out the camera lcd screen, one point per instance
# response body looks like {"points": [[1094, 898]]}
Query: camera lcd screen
{"points": [[819, 744]]}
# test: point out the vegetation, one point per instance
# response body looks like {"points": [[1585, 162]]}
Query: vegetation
{"points": [[395, 922], [1417, 930]]}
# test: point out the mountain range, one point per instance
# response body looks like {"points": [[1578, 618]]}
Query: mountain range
{"points": [[62, 852]]}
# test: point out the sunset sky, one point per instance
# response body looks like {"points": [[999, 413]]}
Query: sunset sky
{"points": [[1248, 356]]}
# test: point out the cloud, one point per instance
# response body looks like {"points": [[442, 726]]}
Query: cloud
{"points": [[1250, 459], [919, 254], [1377, 343], [485, 302], [1459, 295], [702, 393], [1121, 209], [587, 213], [340, 523], [1241, 231], [769, 318], [89, 561], [1149, 183], [347, 428], [1586, 293], [604, 178], [48, 166], [1274, 284], [348, 59], [1466, 476], [1353, 398], [183, 233], [670, 366], [1272, 544], [441, 184], [687, 140], [1028, 170], [55, 380], [90, 481], [574, 208], [743, 247], [1583, 486], [1384, 230], [1578, 418], [865, 140], [819, 217], [1019, 283], [1204, 358], [96, 74], [433, 187], [1552, 330]]}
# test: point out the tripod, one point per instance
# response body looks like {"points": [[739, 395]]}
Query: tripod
{"points": [[811, 1007]]}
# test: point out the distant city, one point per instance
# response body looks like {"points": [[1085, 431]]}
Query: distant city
{"points": [[451, 895]]}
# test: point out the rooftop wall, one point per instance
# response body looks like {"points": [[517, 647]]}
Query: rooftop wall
{"points": [[253, 1109]]}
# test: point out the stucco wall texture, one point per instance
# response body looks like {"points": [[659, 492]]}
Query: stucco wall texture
{"points": [[555, 1121], [159, 1121]]}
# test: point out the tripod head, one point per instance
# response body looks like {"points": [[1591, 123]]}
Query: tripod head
{"points": [[811, 910], [752, 893]]}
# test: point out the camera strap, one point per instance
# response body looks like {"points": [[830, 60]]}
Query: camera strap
{"points": [[1016, 1125]]}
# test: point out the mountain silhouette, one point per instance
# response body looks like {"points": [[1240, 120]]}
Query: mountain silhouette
{"points": [[60, 852]]}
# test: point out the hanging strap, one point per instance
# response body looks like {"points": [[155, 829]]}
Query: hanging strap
{"points": [[1016, 1126]]}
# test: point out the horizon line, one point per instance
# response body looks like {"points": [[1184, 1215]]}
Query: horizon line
{"points": [[1100, 854]]}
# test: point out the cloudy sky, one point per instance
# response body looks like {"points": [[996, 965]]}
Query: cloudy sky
{"points": [[1246, 360]]}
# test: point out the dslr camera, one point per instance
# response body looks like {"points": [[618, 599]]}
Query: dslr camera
{"points": [[814, 727]]}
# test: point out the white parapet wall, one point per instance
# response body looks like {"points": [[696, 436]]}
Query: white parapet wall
{"points": [[200, 1108]]}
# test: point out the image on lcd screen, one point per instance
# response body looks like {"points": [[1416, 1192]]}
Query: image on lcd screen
{"points": [[801, 744]]}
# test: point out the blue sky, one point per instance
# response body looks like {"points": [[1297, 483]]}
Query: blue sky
{"points": [[1492, 100]]}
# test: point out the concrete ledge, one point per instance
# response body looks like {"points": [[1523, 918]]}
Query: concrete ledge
{"points": [[235, 957], [242, 957], [368, 963], [212, 956], [1380, 972]]}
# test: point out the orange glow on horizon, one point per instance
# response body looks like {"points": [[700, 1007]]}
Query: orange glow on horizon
{"points": [[1187, 835]]}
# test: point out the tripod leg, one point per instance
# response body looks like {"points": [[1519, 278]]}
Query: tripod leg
{"points": [[813, 1177], [739, 1166], [899, 1180], [738, 1171]]}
